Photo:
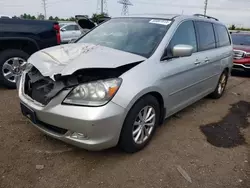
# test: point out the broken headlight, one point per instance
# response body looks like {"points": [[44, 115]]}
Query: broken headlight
{"points": [[94, 93]]}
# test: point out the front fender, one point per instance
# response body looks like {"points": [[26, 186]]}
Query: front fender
{"points": [[128, 99]]}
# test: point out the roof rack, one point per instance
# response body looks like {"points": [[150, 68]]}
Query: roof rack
{"points": [[205, 16]]}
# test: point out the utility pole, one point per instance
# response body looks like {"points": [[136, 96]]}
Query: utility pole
{"points": [[125, 3], [44, 4], [102, 6], [205, 7]]}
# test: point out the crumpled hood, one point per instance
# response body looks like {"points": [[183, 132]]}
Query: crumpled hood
{"points": [[242, 47], [68, 58]]}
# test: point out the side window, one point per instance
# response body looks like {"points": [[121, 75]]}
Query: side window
{"points": [[206, 35], [70, 28], [76, 28], [185, 34], [222, 35]]}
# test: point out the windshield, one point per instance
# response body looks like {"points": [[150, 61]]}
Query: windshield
{"points": [[241, 39], [135, 35]]}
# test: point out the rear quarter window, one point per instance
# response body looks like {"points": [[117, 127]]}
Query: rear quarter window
{"points": [[206, 35], [222, 35]]}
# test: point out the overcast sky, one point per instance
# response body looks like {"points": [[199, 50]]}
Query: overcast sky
{"points": [[228, 11]]}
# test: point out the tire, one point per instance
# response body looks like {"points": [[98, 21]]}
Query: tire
{"points": [[6, 55], [217, 93], [127, 141]]}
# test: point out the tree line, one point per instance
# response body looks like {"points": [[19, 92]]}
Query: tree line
{"points": [[233, 27], [95, 17]]}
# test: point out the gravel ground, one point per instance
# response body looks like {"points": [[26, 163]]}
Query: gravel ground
{"points": [[205, 145]]}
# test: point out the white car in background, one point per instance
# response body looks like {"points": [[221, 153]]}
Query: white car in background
{"points": [[69, 31], [4, 16]]}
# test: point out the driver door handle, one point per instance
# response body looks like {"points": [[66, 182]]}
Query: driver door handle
{"points": [[207, 60]]}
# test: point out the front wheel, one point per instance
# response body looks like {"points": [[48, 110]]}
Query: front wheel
{"points": [[221, 86], [140, 124]]}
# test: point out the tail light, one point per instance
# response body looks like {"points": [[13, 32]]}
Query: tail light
{"points": [[57, 29]]}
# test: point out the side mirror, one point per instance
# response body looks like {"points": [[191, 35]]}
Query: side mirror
{"points": [[63, 29], [182, 50]]}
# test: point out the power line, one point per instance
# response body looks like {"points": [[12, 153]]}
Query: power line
{"points": [[125, 4], [155, 3]]}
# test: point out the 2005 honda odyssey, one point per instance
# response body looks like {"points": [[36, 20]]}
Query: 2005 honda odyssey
{"points": [[114, 85]]}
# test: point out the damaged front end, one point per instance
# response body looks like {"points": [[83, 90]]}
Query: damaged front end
{"points": [[43, 89]]}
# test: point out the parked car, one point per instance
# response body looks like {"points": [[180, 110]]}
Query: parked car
{"points": [[19, 39], [118, 82], [241, 41], [5, 16], [69, 31]]}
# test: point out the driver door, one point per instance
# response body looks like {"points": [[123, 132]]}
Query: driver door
{"points": [[182, 81]]}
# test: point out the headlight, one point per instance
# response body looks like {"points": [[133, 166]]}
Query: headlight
{"points": [[94, 93]]}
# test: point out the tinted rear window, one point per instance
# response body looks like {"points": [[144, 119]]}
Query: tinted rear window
{"points": [[241, 39], [206, 35], [222, 35]]}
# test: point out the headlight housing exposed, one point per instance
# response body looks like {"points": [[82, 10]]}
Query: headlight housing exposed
{"points": [[94, 93]]}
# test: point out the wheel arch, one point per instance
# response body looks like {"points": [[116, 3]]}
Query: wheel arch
{"points": [[157, 93], [227, 70], [25, 44]]}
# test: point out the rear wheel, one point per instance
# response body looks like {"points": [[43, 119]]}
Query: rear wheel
{"points": [[12, 63], [221, 86], [140, 124]]}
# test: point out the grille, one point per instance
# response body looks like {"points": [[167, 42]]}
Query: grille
{"points": [[239, 54], [51, 128]]}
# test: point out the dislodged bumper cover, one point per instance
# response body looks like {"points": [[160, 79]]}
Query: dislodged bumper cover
{"points": [[67, 59]]}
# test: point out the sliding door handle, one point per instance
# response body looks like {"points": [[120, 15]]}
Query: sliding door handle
{"points": [[197, 62], [207, 60]]}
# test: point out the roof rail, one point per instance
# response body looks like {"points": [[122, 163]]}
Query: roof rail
{"points": [[205, 16]]}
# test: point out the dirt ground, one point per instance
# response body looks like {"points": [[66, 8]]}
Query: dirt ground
{"points": [[206, 145]]}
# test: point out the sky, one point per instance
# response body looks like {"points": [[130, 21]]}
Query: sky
{"points": [[228, 11]]}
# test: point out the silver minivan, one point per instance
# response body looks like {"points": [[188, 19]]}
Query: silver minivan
{"points": [[118, 82]]}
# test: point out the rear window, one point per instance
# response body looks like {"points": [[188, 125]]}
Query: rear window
{"points": [[222, 35], [241, 39], [206, 35]]}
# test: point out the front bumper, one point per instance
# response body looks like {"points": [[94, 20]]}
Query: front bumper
{"points": [[241, 67], [101, 126]]}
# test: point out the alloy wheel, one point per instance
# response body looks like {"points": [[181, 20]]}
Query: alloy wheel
{"points": [[144, 124], [12, 68], [222, 84]]}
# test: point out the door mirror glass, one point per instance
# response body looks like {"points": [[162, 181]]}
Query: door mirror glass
{"points": [[63, 29], [182, 50]]}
